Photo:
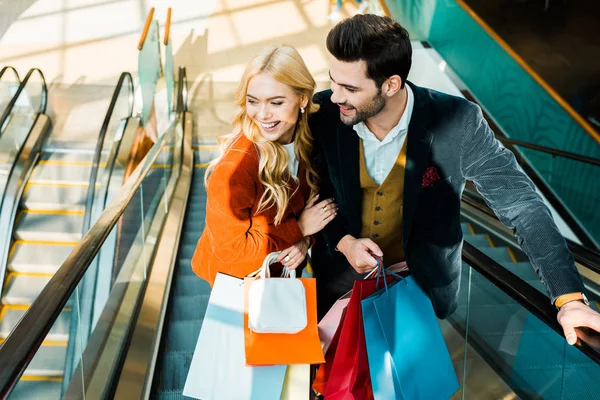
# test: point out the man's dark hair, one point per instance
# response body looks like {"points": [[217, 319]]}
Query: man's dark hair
{"points": [[380, 41]]}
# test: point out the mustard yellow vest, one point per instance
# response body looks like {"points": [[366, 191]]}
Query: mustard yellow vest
{"points": [[382, 208]]}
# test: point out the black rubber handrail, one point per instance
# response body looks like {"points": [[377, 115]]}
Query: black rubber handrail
{"points": [[526, 295], [13, 101], [21, 345], [585, 256], [550, 150], [125, 76], [9, 68]]}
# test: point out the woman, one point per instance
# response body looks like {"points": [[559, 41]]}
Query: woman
{"points": [[262, 190]]}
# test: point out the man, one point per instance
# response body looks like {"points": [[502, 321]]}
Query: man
{"points": [[396, 157]]}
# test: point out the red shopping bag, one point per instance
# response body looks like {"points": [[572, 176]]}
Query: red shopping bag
{"points": [[345, 374]]}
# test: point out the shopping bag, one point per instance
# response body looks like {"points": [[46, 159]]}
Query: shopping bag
{"points": [[276, 305], [408, 358], [303, 347], [345, 374], [296, 385], [219, 355]]}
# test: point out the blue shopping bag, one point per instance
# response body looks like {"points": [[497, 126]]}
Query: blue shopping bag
{"points": [[408, 358]]}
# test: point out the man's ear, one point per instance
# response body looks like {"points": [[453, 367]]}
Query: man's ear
{"points": [[391, 86]]}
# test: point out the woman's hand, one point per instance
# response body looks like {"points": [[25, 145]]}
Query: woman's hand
{"points": [[293, 256], [316, 216]]}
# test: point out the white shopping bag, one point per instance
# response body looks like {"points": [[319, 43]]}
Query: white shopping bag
{"points": [[218, 369]]}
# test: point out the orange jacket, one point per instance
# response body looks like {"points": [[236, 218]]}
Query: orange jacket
{"points": [[236, 240]]}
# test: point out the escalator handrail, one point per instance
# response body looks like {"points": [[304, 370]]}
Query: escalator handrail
{"points": [[13, 101], [584, 256], [550, 150], [526, 295], [4, 69], [21, 345], [87, 217]]}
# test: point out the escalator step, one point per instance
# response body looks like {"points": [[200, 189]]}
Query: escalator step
{"points": [[187, 285], [184, 266], [189, 308], [523, 270], [183, 335], [172, 395], [39, 390], [465, 229], [175, 367], [186, 250], [477, 240]]}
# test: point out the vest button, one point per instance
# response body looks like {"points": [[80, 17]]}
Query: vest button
{"points": [[375, 235], [380, 193], [376, 222], [378, 208]]}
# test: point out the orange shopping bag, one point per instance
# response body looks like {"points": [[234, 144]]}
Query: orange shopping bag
{"points": [[303, 347]]}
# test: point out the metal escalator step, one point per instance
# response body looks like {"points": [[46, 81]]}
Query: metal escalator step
{"points": [[183, 335], [42, 226], [186, 250], [23, 289], [58, 333], [205, 155], [70, 156], [172, 395], [191, 285], [185, 267], [57, 198], [477, 240], [39, 257], [49, 360], [189, 308], [61, 174], [498, 254], [175, 367], [465, 229], [37, 389]]}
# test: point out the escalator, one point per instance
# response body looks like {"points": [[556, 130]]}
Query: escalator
{"points": [[53, 193]]}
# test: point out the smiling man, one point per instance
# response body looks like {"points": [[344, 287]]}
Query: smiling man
{"points": [[396, 158]]}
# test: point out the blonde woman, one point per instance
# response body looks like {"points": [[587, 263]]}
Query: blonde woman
{"points": [[262, 190]]}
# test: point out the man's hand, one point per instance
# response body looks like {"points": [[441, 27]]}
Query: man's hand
{"points": [[359, 253], [575, 314]]}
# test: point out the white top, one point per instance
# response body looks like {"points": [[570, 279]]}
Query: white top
{"points": [[293, 163], [380, 156]]}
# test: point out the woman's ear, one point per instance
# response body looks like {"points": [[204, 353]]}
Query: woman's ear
{"points": [[303, 101]]}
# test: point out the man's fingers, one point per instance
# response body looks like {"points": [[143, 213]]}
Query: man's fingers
{"points": [[570, 334], [371, 245]]}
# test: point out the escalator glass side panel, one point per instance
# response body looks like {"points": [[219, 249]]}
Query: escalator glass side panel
{"points": [[130, 253], [528, 355]]}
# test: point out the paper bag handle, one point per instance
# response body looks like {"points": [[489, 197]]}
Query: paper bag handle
{"points": [[272, 259]]}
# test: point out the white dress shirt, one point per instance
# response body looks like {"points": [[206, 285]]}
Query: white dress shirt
{"points": [[293, 163], [380, 156]]}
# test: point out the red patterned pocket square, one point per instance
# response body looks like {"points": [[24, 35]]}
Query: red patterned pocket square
{"points": [[430, 177]]}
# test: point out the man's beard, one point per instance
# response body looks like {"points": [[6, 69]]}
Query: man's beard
{"points": [[370, 109]]}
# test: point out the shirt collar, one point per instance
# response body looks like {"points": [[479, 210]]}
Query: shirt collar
{"points": [[402, 127]]}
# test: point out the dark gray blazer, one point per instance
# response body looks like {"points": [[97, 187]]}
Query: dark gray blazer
{"points": [[450, 134]]}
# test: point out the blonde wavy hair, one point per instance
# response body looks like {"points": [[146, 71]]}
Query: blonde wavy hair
{"points": [[285, 65]]}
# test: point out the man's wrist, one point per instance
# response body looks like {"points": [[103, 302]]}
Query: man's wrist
{"points": [[341, 246], [570, 297]]}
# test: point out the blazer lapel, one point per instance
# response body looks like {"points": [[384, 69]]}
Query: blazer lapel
{"points": [[417, 157], [349, 172]]}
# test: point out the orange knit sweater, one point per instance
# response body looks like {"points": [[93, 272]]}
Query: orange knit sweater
{"points": [[236, 240]]}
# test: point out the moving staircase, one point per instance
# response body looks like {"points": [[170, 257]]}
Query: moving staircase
{"points": [[49, 211]]}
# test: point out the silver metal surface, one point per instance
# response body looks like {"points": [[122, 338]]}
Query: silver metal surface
{"points": [[58, 333], [55, 198], [61, 174], [138, 369], [33, 226], [41, 258], [49, 361]]}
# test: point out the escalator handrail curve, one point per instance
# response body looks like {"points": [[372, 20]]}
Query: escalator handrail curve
{"points": [[13, 101], [7, 68], [89, 202], [550, 150]]}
